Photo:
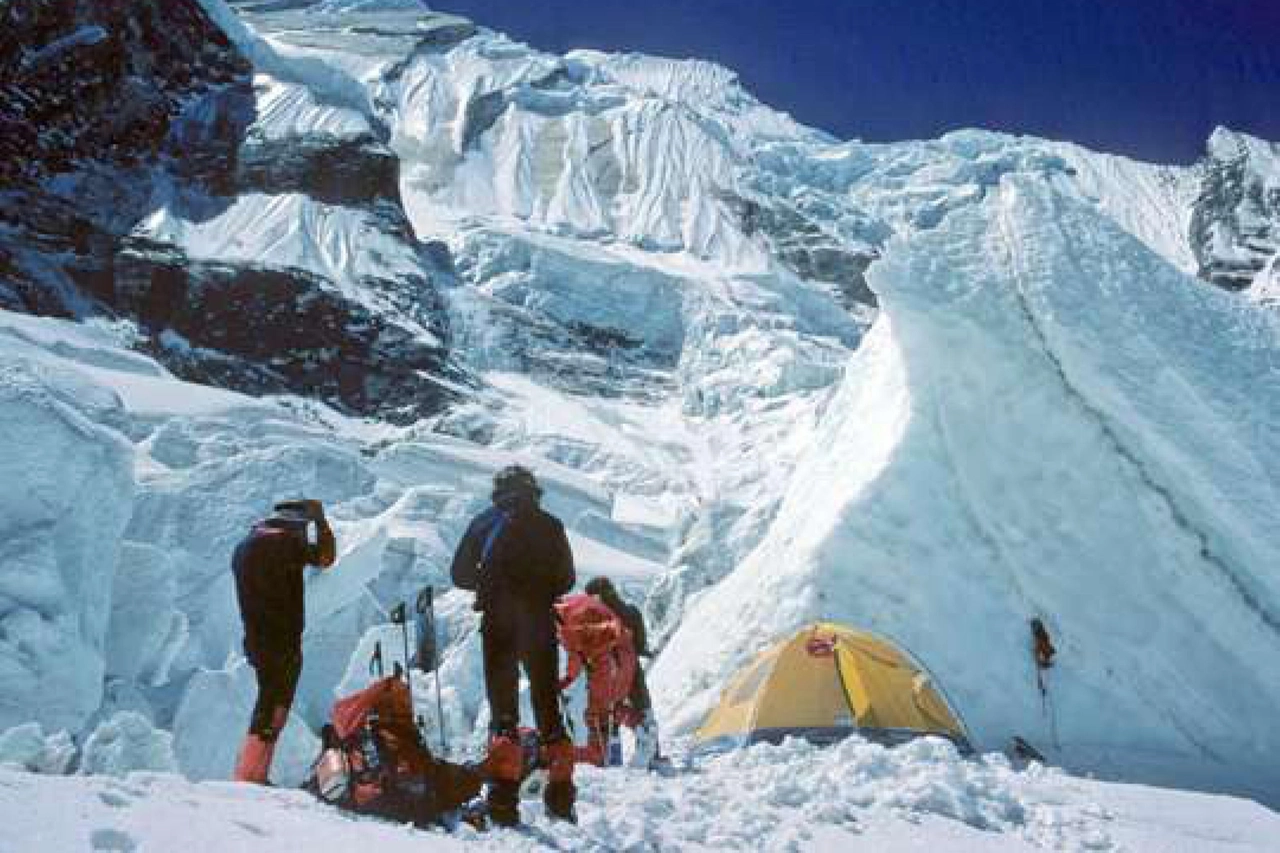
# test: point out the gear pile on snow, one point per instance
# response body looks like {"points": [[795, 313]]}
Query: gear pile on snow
{"points": [[374, 761]]}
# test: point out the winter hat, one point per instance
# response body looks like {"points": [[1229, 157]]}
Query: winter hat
{"points": [[288, 515], [515, 481]]}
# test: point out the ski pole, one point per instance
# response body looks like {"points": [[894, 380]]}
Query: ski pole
{"points": [[426, 604], [398, 617]]}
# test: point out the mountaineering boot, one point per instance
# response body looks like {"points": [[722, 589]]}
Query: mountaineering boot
{"points": [[560, 793], [254, 762], [259, 746], [503, 802], [502, 768]]}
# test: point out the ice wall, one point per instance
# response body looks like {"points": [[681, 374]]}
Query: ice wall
{"points": [[66, 496], [1048, 420]]}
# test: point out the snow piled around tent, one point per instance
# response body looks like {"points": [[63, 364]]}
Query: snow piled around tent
{"points": [[1049, 420], [854, 796]]}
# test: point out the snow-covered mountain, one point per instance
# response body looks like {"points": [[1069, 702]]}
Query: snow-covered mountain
{"points": [[369, 253]]}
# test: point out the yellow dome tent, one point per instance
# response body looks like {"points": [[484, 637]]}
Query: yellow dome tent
{"points": [[823, 683]]}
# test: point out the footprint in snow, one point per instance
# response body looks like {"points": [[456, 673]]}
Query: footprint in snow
{"points": [[112, 841], [114, 799], [251, 829]]}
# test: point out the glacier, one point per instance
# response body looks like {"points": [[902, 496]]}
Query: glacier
{"points": [[932, 388]]}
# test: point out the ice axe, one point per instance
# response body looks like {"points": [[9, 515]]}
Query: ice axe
{"points": [[399, 616]]}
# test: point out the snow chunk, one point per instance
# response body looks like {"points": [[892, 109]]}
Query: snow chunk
{"points": [[125, 743], [30, 748], [212, 718], [1049, 420], [145, 630]]}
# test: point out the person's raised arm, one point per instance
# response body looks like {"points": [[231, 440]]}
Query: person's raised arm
{"points": [[325, 551]]}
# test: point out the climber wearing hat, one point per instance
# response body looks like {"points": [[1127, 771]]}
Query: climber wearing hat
{"points": [[268, 565], [516, 558]]}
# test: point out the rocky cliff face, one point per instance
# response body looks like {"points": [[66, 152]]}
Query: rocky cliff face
{"points": [[1235, 225], [90, 94], [112, 110]]}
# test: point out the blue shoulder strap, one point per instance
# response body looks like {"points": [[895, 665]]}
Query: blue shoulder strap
{"points": [[492, 538]]}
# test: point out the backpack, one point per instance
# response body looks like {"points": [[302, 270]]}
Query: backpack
{"points": [[486, 568], [373, 761]]}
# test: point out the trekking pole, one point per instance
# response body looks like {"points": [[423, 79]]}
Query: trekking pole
{"points": [[398, 616], [375, 662], [426, 604]]}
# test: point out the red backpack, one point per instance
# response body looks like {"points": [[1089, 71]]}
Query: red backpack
{"points": [[374, 761], [596, 640]]}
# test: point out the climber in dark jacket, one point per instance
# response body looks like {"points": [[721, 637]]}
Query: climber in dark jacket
{"points": [[516, 558], [268, 566]]}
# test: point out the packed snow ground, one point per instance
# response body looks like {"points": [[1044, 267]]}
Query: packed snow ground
{"points": [[854, 796]]}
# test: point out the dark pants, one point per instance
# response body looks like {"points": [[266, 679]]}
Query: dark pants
{"points": [[511, 641], [277, 680], [638, 698]]}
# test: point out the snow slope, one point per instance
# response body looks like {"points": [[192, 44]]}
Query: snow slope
{"points": [[854, 797]]}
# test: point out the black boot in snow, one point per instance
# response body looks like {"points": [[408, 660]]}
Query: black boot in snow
{"points": [[559, 798], [503, 800]]}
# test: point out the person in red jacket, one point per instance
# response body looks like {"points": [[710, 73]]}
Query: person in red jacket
{"points": [[647, 752], [268, 565], [516, 558]]}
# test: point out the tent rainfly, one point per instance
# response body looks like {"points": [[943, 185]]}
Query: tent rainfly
{"points": [[823, 683]]}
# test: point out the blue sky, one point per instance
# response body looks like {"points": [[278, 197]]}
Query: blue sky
{"points": [[1149, 78]]}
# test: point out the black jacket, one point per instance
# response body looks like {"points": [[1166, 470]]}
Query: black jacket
{"points": [[529, 564], [632, 618], [268, 566]]}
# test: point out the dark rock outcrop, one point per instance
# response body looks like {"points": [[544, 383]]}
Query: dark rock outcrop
{"points": [[349, 172], [101, 80], [1235, 223], [268, 330], [806, 249], [107, 105], [95, 97]]}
